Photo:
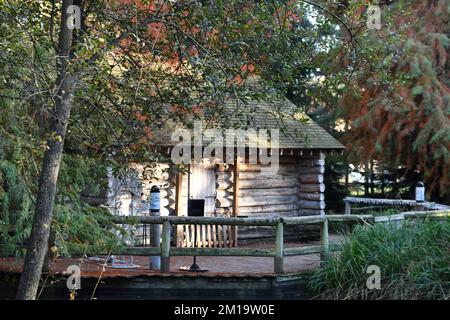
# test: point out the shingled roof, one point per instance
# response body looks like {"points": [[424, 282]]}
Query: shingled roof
{"points": [[296, 130]]}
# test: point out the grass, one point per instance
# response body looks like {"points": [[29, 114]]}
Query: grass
{"points": [[385, 212], [414, 261]]}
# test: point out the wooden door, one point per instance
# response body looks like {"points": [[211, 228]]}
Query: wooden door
{"points": [[203, 186]]}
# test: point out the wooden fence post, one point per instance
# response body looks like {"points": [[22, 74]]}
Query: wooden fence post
{"points": [[234, 229], [165, 247], [324, 241], [348, 209], [278, 261], [178, 197]]}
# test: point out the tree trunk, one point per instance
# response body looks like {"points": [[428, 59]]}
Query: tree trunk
{"points": [[38, 241]]}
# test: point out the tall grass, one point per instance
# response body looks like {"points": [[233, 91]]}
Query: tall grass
{"points": [[414, 261]]}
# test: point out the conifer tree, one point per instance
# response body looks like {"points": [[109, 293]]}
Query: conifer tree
{"points": [[399, 108]]}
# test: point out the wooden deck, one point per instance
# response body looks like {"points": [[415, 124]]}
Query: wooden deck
{"points": [[226, 278], [216, 266]]}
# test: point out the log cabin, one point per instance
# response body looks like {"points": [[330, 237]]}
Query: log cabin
{"points": [[237, 189]]}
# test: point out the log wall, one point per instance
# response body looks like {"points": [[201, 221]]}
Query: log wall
{"points": [[311, 199], [268, 195], [297, 189]]}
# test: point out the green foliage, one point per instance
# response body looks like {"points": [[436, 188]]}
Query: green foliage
{"points": [[27, 62], [414, 261], [383, 212], [77, 227], [84, 229], [15, 209]]}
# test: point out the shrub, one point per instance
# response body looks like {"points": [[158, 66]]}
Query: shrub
{"points": [[414, 261]]}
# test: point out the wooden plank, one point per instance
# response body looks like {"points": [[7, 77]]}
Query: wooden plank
{"points": [[388, 202], [214, 235], [178, 205], [306, 204], [268, 209], [236, 186], [310, 170], [310, 212], [165, 247], [208, 231], [283, 168], [199, 236], [224, 235], [203, 230], [353, 217], [196, 220], [259, 200], [189, 236], [324, 240], [304, 220], [231, 252], [258, 176], [279, 241], [269, 192], [187, 231], [348, 208], [427, 214], [267, 200], [273, 182], [311, 188], [219, 234], [235, 235], [311, 196], [237, 252], [299, 251], [272, 214], [292, 191], [192, 232], [230, 236], [394, 217], [310, 178]]}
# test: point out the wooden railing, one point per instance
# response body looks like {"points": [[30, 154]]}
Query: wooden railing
{"points": [[278, 253], [165, 250], [392, 202]]}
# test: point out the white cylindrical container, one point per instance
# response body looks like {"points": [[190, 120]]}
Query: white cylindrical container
{"points": [[420, 192]]}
